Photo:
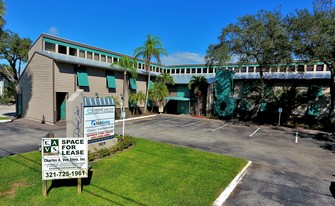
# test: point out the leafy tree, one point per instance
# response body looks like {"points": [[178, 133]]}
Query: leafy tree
{"points": [[198, 87], [2, 14], [15, 50], [135, 98], [158, 92], [128, 66], [313, 39], [152, 48], [260, 38], [7, 72]]}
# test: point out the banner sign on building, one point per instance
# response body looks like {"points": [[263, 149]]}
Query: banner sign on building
{"points": [[64, 158], [99, 123]]}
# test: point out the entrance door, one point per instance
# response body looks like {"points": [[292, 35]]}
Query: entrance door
{"points": [[61, 98]]}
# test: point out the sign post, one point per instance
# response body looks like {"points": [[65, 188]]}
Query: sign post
{"points": [[280, 110]]}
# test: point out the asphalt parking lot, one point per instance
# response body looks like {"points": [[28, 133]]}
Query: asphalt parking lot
{"points": [[283, 172]]}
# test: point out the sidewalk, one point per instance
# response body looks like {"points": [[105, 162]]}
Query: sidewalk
{"points": [[7, 111]]}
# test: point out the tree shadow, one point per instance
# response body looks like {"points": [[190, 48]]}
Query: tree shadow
{"points": [[326, 140]]}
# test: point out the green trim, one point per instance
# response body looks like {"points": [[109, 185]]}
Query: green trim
{"points": [[177, 98], [82, 77], [111, 83], [132, 83]]}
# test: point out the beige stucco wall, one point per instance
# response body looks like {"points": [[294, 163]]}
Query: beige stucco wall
{"points": [[35, 86], [37, 46]]}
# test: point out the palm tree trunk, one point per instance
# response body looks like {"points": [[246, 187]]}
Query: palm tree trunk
{"points": [[147, 93]]}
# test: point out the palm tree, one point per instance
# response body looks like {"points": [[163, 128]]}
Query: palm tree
{"points": [[135, 98], [127, 65], [158, 92], [2, 14], [198, 87], [152, 48], [165, 78]]}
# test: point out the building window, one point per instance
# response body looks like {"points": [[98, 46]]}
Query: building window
{"points": [[188, 70], [139, 65], [182, 71], [300, 68], [199, 70], [204, 70], [103, 58], [82, 53], [243, 69], [61, 49], [210, 70], [50, 47], [251, 69], [132, 83], [319, 68], [172, 71], [309, 68], [193, 70], [73, 51], [115, 59], [258, 69], [82, 77], [291, 68], [109, 59], [111, 84], [89, 55], [177, 71], [96, 56]]}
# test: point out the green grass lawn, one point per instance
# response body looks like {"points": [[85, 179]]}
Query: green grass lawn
{"points": [[4, 118], [150, 173]]}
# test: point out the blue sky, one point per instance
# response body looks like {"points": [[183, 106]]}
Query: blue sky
{"points": [[185, 27]]}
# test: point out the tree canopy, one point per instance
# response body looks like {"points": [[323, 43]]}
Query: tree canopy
{"points": [[2, 14]]}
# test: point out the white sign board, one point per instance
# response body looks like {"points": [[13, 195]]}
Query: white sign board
{"points": [[64, 158], [99, 123], [280, 109]]}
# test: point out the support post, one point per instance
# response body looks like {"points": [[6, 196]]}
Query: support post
{"points": [[44, 188], [79, 186]]}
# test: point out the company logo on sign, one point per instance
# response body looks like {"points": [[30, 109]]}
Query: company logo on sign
{"points": [[51, 147], [100, 122]]}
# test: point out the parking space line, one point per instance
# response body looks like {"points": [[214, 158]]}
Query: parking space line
{"points": [[219, 127], [189, 124], [254, 132]]}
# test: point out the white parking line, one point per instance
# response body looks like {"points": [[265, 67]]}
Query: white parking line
{"points": [[254, 132], [219, 127], [190, 124]]}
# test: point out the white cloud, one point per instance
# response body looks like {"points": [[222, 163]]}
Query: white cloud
{"points": [[53, 30], [183, 58]]}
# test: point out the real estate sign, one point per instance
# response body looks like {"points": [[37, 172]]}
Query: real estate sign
{"points": [[99, 123], [64, 158]]}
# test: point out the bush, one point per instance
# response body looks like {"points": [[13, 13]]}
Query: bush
{"points": [[123, 143]]}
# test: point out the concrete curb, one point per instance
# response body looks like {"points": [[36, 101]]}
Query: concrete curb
{"points": [[6, 121], [134, 118], [225, 194]]}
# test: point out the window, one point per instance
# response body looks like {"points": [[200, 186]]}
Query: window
{"points": [[89, 55], [199, 70], [258, 69], [291, 68], [111, 84], [82, 53], [132, 83], [82, 77], [115, 59], [103, 58], [96, 56], [319, 67], [251, 69], [243, 69], [172, 71], [188, 70], [210, 70], [193, 70], [72, 51], [177, 71], [300, 68], [309, 68], [139, 65], [50, 47], [182, 71], [204, 70], [61, 49], [109, 59]]}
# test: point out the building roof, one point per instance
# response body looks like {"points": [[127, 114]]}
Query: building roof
{"points": [[87, 62]]}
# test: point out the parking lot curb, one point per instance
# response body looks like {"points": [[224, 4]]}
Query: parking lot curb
{"points": [[6, 121], [229, 189], [134, 118]]}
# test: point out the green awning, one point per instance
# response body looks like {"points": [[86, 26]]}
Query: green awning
{"points": [[82, 77], [177, 98], [132, 83], [151, 84], [111, 82]]}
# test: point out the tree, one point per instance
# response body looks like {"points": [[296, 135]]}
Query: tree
{"points": [[260, 38], [313, 39], [7, 72], [2, 14], [15, 50], [127, 65], [152, 48], [135, 98], [166, 78], [198, 87]]}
